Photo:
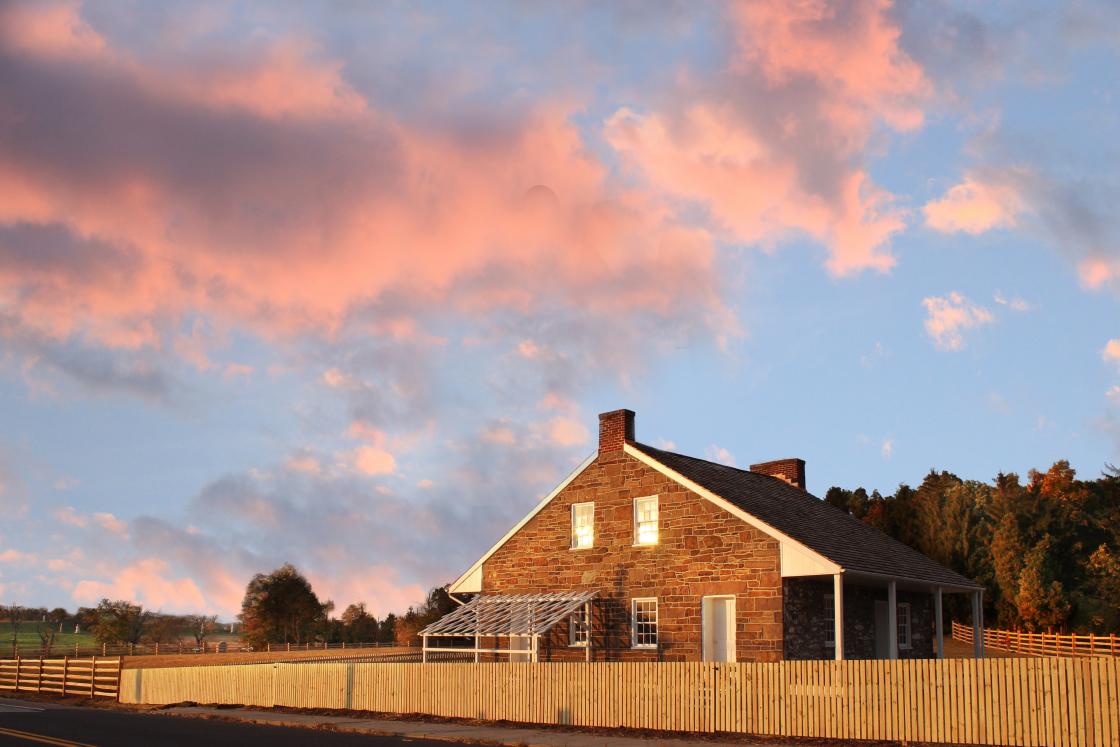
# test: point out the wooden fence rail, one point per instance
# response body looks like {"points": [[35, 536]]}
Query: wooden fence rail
{"points": [[1054, 702], [1043, 644], [177, 648], [89, 677]]}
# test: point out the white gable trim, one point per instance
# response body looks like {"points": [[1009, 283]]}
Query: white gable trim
{"points": [[471, 580], [797, 558]]}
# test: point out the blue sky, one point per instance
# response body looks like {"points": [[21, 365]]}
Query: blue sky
{"points": [[347, 286]]}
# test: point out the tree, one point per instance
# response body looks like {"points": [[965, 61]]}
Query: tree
{"points": [[201, 627], [59, 617], [358, 625], [163, 629], [281, 607], [1041, 600], [119, 622], [14, 614]]}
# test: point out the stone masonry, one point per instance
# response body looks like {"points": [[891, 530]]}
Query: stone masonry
{"points": [[702, 550]]}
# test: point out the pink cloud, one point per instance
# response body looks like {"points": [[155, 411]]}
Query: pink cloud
{"points": [[564, 431], [1111, 351], [974, 206], [259, 188], [146, 582], [775, 151], [1098, 272], [949, 316]]}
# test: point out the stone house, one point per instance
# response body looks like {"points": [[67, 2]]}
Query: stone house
{"points": [[644, 554]]}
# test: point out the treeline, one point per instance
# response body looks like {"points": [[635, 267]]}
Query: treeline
{"points": [[281, 607], [1048, 551], [110, 622]]}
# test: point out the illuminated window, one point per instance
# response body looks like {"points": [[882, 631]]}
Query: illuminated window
{"points": [[579, 627], [904, 625], [583, 525], [644, 623], [645, 520]]}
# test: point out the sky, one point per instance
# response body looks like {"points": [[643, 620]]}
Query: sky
{"points": [[346, 285]]}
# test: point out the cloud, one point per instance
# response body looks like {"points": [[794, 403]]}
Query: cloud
{"points": [[974, 207], [257, 187], [1111, 351], [68, 515], [567, 432], [948, 317], [372, 460], [774, 147], [111, 524], [1014, 303], [145, 581], [719, 454], [887, 448], [14, 556]]}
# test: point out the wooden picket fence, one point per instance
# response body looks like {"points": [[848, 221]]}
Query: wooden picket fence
{"points": [[1042, 644], [91, 677], [1054, 702]]}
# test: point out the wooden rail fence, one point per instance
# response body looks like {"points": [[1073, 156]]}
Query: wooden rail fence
{"points": [[1053, 702], [91, 677], [177, 647], [1043, 644]]}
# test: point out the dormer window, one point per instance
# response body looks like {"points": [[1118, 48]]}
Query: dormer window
{"points": [[583, 525], [645, 520]]}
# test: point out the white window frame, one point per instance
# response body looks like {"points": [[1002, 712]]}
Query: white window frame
{"points": [[573, 627], [830, 613], [634, 623], [574, 545], [905, 622], [656, 521]]}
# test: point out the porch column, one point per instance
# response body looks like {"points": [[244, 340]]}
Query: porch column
{"points": [[424, 650], [892, 619], [838, 615], [938, 624], [978, 624]]}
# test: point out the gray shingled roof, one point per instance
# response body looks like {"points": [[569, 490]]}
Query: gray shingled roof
{"points": [[828, 530]]}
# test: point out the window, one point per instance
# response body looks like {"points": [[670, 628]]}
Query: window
{"points": [[645, 520], [579, 627], [644, 623], [904, 625], [830, 616], [583, 525]]}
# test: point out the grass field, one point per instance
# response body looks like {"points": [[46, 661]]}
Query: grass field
{"points": [[28, 637]]}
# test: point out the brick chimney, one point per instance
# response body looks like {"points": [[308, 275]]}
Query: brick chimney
{"points": [[790, 470], [615, 429]]}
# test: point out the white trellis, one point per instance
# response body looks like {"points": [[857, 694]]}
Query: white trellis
{"points": [[523, 618]]}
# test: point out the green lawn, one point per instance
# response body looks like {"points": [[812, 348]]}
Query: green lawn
{"points": [[28, 637]]}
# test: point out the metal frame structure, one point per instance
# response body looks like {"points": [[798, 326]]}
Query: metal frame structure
{"points": [[508, 616]]}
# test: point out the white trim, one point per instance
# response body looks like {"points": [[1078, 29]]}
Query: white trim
{"points": [[634, 623], [573, 545], [825, 566], [657, 520], [469, 574], [572, 642], [908, 627]]}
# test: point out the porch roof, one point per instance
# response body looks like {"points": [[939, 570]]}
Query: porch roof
{"points": [[509, 614]]}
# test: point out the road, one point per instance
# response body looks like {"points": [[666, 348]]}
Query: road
{"points": [[24, 722]]}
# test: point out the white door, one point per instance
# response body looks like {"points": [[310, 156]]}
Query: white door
{"points": [[718, 616], [520, 643], [882, 625]]}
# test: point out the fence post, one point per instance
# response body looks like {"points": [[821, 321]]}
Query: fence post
{"points": [[92, 675], [65, 673], [39, 679], [17, 670]]}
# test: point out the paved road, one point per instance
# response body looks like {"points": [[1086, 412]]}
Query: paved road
{"points": [[27, 723]]}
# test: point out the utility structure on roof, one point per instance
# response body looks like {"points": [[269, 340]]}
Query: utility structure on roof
{"points": [[643, 553]]}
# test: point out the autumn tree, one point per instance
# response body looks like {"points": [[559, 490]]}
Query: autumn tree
{"points": [[119, 621], [281, 607], [358, 625]]}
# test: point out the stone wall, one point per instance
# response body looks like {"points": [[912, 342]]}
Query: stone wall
{"points": [[702, 550], [807, 620]]}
